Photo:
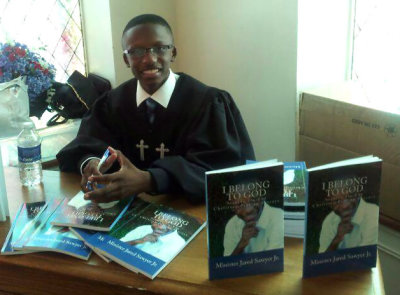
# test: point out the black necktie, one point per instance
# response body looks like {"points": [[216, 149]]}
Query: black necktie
{"points": [[151, 105]]}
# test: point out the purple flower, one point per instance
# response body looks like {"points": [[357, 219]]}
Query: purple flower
{"points": [[17, 60]]}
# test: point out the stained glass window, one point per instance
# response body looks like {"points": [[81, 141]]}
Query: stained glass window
{"points": [[50, 27]]}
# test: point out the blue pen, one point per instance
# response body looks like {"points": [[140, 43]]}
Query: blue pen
{"points": [[102, 160]]}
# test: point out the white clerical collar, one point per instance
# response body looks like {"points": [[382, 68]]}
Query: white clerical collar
{"points": [[162, 95]]}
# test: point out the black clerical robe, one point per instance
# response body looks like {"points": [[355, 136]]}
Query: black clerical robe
{"points": [[200, 130]]}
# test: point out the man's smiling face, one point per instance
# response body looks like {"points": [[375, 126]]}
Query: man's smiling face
{"points": [[151, 69]]}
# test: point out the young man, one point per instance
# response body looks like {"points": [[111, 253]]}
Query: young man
{"points": [[163, 146], [351, 223], [159, 239], [256, 227]]}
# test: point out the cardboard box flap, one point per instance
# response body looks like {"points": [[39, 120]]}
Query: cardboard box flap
{"points": [[352, 92], [352, 127]]}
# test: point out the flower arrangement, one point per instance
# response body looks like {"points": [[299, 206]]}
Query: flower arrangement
{"points": [[17, 60]]}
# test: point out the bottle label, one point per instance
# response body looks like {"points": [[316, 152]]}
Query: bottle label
{"points": [[29, 154]]}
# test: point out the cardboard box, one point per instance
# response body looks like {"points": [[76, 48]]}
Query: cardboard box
{"points": [[337, 123]]}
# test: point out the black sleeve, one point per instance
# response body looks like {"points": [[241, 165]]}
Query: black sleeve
{"points": [[217, 138], [95, 134]]}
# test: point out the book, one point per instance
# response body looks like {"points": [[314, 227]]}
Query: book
{"points": [[342, 210], [245, 219], [146, 240], [294, 228], [294, 185], [84, 235], [22, 223], [47, 237], [78, 212], [294, 192]]}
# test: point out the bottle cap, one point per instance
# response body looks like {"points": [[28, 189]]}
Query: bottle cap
{"points": [[28, 125]]}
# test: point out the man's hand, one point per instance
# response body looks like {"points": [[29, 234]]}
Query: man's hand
{"points": [[91, 168], [344, 227], [249, 231], [125, 182], [152, 238]]}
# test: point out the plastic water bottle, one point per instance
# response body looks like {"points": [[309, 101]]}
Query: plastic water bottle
{"points": [[29, 155]]}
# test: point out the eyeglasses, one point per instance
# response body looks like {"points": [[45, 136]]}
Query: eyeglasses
{"points": [[140, 52]]}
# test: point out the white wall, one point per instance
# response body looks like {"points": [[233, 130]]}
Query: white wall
{"points": [[103, 23], [121, 12], [249, 49]]}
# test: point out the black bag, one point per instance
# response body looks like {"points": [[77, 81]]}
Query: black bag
{"points": [[74, 98]]}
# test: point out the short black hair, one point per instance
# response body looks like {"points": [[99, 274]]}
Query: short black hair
{"points": [[147, 19]]}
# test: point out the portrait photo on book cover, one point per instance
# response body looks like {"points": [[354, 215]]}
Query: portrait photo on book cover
{"points": [[158, 231], [246, 213], [343, 210], [80, 211], [27, 220]]}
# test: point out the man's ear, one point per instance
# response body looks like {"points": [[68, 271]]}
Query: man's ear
{"points": [[126, 60], [174, 53]]}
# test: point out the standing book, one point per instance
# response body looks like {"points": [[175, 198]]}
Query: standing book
{"points": [[245, 220], [146, 241], [23, 222], [46, 237], [80, 213], [294, 194], [342, 211]]}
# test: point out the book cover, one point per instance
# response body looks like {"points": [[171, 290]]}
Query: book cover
{"points": [[84, 234], [78, 212], [342, 211], [245, 220], [47, 237], [147, 241], [294, 192], [22, 223], [294, 189]]}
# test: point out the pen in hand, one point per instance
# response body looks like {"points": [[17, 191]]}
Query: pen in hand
{"points": [[103, 158], [89, 184]]}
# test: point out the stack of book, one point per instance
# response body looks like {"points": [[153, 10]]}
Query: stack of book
{"points": [[32, 231], [141, 236], [294, 194]]}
